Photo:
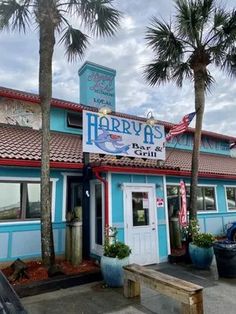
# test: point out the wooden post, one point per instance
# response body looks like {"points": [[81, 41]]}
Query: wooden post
{"points": [[131, 288]]}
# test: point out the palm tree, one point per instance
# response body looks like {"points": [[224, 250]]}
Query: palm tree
{"points": [[99, 18], [202, 34]]}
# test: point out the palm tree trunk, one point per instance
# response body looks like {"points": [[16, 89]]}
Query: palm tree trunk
{"points": [[46, 43], [199, 88]]}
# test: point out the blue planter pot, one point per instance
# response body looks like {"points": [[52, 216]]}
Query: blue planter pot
{"points": [[201, 257], [112, 270]]}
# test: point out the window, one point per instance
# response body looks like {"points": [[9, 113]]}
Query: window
{"points": [[205, 199], [231, 197], [74, 120], [140, 205], [19, 200]]}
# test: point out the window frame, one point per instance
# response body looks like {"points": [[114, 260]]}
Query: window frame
{"points": [[74, 127], [29, 180], [200, 212], [226, 200]]}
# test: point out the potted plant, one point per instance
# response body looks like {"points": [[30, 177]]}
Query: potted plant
{"points": [[115, 256], [201, 250]]}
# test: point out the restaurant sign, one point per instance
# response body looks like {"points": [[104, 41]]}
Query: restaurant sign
{"points": [[123, 137]]}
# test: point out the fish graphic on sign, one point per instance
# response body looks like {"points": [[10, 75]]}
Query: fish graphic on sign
{"points": [[111, 143]]}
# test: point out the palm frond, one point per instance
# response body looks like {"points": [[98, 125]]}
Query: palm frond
{"points": [[209, 80], [97, 15], [157, 72], [163, 41], [206, 7], [75, 43], [230, 26], [191, 17], [224, 30], [217, 54], [229, 64], [71, 5], [180, 72], [220, 18], [14, 15]]}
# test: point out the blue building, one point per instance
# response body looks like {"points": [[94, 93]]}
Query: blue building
{"points": [[138, 195]]}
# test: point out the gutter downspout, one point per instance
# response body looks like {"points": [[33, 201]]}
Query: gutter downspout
{"points": [[104, 181]]}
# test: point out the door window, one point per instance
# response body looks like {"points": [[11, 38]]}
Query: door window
{"points": [[140, 207]]}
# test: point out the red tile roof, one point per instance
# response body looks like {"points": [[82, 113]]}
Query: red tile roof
{"points": [[34, 98], [22, 143], [179, 160]]}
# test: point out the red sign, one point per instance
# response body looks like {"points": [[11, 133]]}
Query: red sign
{"points": [[183, 210]]}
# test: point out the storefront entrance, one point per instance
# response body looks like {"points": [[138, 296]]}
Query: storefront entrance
{"points": [[141, 223]]}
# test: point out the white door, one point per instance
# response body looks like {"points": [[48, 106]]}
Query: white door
{"points": [[141, 223]]}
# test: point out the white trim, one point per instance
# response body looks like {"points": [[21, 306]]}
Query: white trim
{"points": [[226, 203], [133, 184], [64, 191], [109, 180], [188, 184], [96, 249], [72, 174], [29, 179], [201, 212], [132, 187], [167, 216]]}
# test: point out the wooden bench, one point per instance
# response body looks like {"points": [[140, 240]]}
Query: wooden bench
{"points": [[189, 294]]}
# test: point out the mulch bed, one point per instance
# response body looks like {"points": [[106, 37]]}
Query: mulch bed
{"points": [[37, 272]]}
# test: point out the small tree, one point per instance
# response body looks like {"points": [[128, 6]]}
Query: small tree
{"points": [[202, 34], [52, 16]]}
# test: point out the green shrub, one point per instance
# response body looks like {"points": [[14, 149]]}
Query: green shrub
{"points": [[204, 240], [117, 249], [112, 247]]}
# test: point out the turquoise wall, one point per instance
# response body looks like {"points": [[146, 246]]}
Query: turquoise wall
{"points": [[97, 85], [214, 221], [208, 144], [22, 239], [59, 121], [118, 208]]}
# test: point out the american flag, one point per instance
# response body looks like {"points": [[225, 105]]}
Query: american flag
{"points": [[180, 127]]}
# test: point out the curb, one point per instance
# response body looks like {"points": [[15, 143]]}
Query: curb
{"points": [[56, 283]]}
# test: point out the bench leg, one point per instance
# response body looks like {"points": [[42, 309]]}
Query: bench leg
{"points": [[194, 308], [131, 288]]}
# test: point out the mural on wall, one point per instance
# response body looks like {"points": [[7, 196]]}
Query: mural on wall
{"points": [[120, 136], [20, 113]]}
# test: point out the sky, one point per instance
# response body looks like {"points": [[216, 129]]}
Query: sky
{"points": [[127, 53]]}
